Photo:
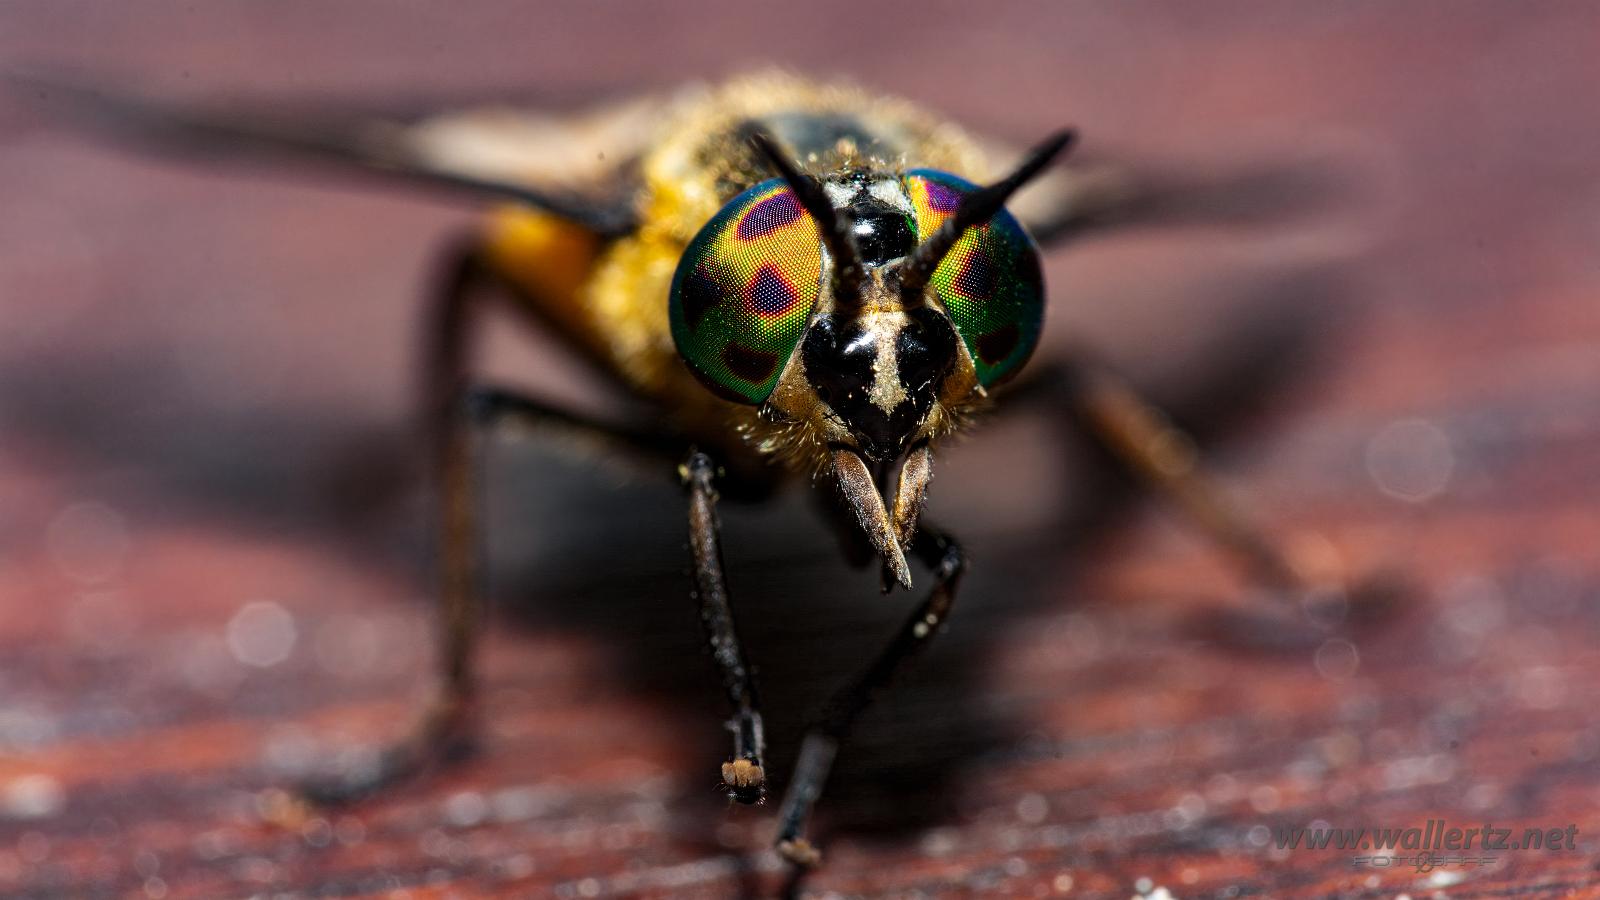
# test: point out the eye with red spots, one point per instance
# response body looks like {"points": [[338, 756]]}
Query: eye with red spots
{"points": [[744, 290], [989, 283], [768, 215]]}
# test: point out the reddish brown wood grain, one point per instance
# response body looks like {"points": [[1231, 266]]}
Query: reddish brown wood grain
{"points": [[211, 576]]}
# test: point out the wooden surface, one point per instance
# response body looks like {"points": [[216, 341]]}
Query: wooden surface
{"points": [[212, 564]]}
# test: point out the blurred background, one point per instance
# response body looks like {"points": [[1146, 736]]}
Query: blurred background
{"points": [[213, 556]]}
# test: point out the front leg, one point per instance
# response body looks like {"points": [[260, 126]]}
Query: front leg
{"points": [[939, 552], [743, 773]]}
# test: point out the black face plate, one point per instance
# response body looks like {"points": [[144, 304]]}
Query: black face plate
{"points": [[839, 353]]}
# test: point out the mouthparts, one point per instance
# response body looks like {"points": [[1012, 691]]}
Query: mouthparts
{"points": [[888, 532]]}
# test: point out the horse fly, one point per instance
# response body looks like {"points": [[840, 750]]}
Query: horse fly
{"points": [[801, 280]]}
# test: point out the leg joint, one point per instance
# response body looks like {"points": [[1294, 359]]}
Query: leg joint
{"points": [[699, 472], [941, 553], [953, 563]]}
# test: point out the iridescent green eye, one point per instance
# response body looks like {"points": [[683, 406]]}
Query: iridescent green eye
{"points": [[744, 289], [989, 282]]}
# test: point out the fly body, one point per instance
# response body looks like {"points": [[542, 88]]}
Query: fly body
{"points": [[757, 267], [801, 332], [794, 279]]}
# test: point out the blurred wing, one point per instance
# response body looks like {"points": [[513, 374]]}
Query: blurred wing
{"points": [[1087, 197], [572, 167]]}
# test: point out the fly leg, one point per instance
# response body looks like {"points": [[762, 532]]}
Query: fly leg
{"points": [[458, 419], [743, 774], [443, 731], [1142, 438], [939, 552]]}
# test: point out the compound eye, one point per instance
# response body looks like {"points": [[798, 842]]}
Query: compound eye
{"points": [[744, 290], [989, 283]]}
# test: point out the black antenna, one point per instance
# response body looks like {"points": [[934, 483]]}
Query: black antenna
{"points": [[847, 269], [977, 207]]}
